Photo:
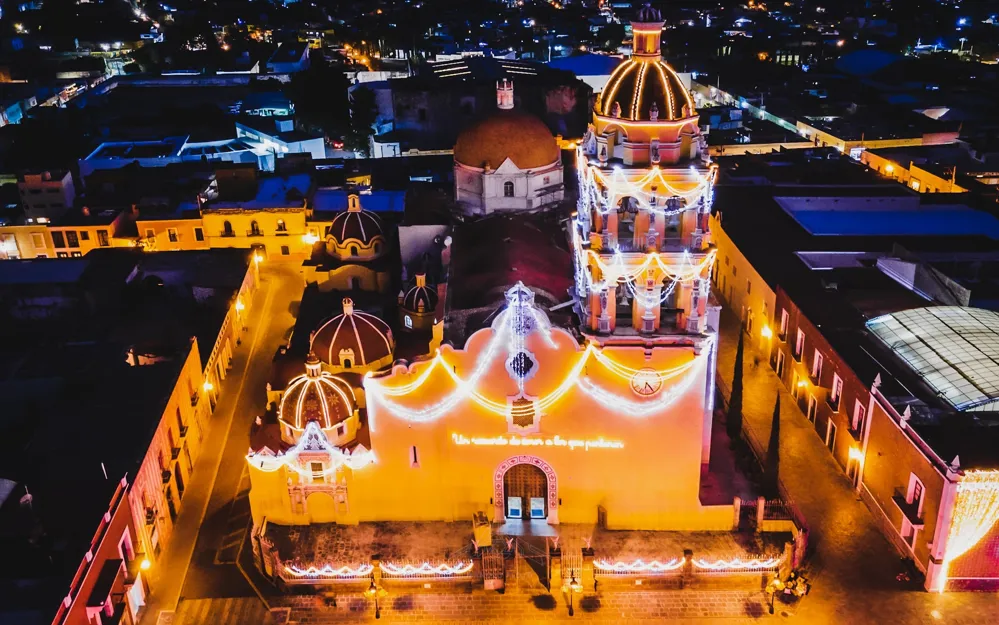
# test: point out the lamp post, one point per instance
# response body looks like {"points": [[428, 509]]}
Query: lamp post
{"points": [[774, 587], [572, 587], [375, 592]]}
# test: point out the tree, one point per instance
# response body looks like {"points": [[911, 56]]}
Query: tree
{"points": [[363, 113], [733, 420], [772, 465]]}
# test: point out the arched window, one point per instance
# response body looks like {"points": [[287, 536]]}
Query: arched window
{"points": [[280, 226], [226, 229], [254, 229], [353, 250], [508, 189], [408, 321]]}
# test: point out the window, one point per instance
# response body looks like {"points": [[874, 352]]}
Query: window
{"points": [[62, 254], [813, 406], [414, 459], [76, 254], [71, 239], [353, 250], [408, 321], [38, 240], [341, 429], [84, 235], [799, 345], [102, 238], [915, 495], [254, 229], [749, 287], [199, 234], [180, 422], [783, 324], [507, 189], [285, 250], [836, 392], [859, 413], [735, 271], [281, 227], [227, 229], [172, 234], [317, 472], [58, 239], [817, 366], [150, 233]]}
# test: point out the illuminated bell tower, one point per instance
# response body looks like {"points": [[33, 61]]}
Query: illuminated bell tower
{"points": [[504, 94]]}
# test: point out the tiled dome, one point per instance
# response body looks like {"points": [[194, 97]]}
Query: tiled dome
{"points": [[522, 138], [420, 298], [366, 336], [356, 223], [316, 396]]}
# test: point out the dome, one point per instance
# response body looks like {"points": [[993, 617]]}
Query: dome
{"points": [[353, 336], [420, 298], [316, 396], [645, 89], [356, 223], [522, 138]]}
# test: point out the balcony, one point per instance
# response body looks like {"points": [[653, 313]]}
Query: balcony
{"points": [[281, 232], [133, 567], [150, 516], [183, 430], [166, 475], [909, 510], [796, 354], [174, 453], [227, 234], [834, 403], [194, 399], [254, 233]]}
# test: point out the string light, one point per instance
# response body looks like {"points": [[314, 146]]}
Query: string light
{"points": [[737, 563], [638, 566], [408, 570], [313, 442], [328, 571], [976, 510]]}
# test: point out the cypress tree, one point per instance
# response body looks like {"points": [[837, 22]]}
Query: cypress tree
{"points": [[733, 419], [772, 466]]}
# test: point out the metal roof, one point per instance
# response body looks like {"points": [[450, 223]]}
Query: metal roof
{"points": [[954, 349]]}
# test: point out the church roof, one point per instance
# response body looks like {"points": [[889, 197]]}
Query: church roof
{"points": [[521, 137], [367, 336], [640, 83], [316, 396]]}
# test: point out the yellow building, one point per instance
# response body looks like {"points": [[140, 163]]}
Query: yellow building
{"points": [[354, 254], [523, 423], [353, 341]]}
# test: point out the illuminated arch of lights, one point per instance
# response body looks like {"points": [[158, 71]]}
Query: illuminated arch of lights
{"points": [[328, 571], [313, 441]]}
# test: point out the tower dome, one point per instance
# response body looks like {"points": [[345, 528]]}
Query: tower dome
{"points": [[645, 88], [521, 137], [356, 223], [316, 396], [420, 298], [353, 339]]}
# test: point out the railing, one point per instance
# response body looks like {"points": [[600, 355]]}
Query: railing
{"points": [[174, 453], [399, 570], [183, 430], [909, 508], [296, 574], [254, 233], [194, 399], [227, 234], [422, 570], [166, 475]]}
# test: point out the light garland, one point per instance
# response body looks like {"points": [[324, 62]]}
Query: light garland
{"points": [[313, 441], [328, 571], [758, 564], [976, 510], [638, 566], [408, 570]]}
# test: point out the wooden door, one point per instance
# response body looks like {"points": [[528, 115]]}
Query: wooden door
{"points": [[527, 482]]}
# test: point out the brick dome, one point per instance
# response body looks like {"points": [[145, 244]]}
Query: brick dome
{"points": [[365, 336], [316, 396], [522, 138]]}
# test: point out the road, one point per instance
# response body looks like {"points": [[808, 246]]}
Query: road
{"points": [[199, 561]]}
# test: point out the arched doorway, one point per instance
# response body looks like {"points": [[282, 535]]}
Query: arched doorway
{"points": [[525, 488]]}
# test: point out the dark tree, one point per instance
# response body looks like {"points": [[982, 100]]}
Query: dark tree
{"points": [[320, 97], [362, 119], [772, 466], [733, 420]]}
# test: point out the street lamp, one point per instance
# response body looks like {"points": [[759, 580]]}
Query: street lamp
{"points": [[375, 592], [573, 587], [774, 587]]}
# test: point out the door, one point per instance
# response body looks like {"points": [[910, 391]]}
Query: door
{"points": [[831, 435], [813, 406], [779, 369], [525, 488]]}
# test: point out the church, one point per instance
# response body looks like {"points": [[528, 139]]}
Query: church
{"points": [[569, 374]]}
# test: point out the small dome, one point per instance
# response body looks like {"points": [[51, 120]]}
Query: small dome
{"points": [[420, 298], [354, 335], [522, 138], [645, 89], [316, 396], [356, 223]]}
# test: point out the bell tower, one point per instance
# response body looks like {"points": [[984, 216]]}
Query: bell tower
{"points": [[647, 30], [504, 94]]}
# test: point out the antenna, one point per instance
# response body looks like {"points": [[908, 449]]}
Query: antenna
{"points": [[104, 469]]}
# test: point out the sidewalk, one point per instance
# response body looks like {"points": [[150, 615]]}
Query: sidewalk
{"points": [[851, 565], [171, 569]]}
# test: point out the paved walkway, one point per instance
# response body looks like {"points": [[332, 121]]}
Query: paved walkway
{"points": [[852, 566]]}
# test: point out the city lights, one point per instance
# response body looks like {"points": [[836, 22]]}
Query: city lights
{"points": [[976, 510], [766, 332], [145, 564]]}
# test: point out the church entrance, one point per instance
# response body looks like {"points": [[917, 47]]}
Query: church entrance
{"points": [[525, 492]]}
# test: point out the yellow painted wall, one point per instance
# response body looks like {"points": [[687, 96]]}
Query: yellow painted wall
{"points": [[732, 275], [293, 237], [650, 483], [160, 228], [25, 240]]}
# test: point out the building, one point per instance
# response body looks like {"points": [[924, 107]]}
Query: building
{"points": [[542, 391], [46, 195], [869, 301], [138, 343], [354, 253], [508, 161], [289, 58]]}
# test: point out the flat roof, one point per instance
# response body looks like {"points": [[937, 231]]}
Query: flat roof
{"points": [[954, 349], [931, 222]]}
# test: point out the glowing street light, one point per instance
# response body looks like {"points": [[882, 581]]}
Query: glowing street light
{"points": [[375, 591], [802, 383], [767, 332], [572, 587], [208, 386], [310, 238], [259, 258], [145, 564], [240, 305]]}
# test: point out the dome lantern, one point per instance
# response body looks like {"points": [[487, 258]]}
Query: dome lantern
{"points": [[353, 339], [504, 94]]}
